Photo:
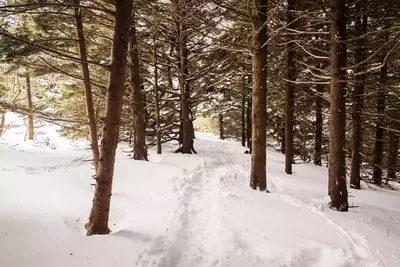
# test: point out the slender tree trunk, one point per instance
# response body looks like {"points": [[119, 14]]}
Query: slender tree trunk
{"points": [[94, 145], [98, 220], [138, 114], [289, 92], [221, 126], [337, 162], [258, 175], [248, 124], [186, 118], [318, 126], [379, 129], [30, 107], [243, 119], [358, 102], [393, 147], [156, 96], [2, 122]]}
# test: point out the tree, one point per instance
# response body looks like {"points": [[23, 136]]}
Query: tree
{"points": [[337, 163], [98, 220], [92, 125], [30, 107], [358, 97], [138, 114], [258, 175], [290, 87]]}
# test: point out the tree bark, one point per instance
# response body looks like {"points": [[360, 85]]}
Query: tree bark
{"points": [[248, 124], [393, 150], [337, 165], [94, 145], [138, 114], [221, 126], [186, 118], [318, 125], [98, 220], [358, 101], [289, 92], [258, 175], [243, 119], [2, 122], [30, 107], [379, 129], [156, 98]]}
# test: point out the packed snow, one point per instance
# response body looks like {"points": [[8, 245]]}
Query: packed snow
{"points": [[182, 210]]}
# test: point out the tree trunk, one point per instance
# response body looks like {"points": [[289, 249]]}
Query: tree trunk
{"points": [[2, 122], [380, 124], [318, 125], [243, 119], [30, 107], [337, 162], [98, 220], [186, 118], [94, 145], [157, 100], [221, 126], [358, 101], [138, 114], [289, 92], [393, 152], [248, 124], [258, 175]]}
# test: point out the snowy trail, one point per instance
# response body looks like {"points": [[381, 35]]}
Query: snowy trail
{"points": [[201, 232]]}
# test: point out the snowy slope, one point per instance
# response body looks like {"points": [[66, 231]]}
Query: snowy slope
{"points": [[184, 210]]}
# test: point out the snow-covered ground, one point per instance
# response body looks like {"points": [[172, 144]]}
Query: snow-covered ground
{"points": [[183, 210]]}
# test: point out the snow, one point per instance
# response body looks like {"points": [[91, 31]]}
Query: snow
{"points": [[183, 210]]}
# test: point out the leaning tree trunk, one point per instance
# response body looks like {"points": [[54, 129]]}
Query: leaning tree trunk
{"points": [[98, 220], [318, 125], [30, 107], [337, 162], [94, 145], [258, 175], [358, 101], [138, 114], [289, 92]]}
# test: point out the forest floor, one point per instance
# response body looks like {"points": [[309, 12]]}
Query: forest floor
{"points": [[183, 210]]}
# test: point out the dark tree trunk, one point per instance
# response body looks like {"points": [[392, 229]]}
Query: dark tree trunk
{"points": [[221, 126], [157, 100], [393, 150], [358, 101], [258, 175], [337, 164], [94, 145], [98, 220], [248, 124], [243, 119], [289, 92], [2, 122], [138, 113], [318, 125], [30, 107], [187, 130], [380, 124]]}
